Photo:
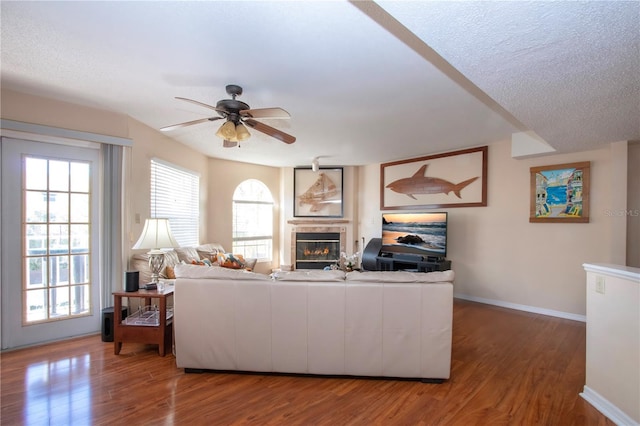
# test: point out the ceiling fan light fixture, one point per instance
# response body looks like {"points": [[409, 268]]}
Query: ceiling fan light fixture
{"points": [[242, 133], [237, 116], [227, 131]]}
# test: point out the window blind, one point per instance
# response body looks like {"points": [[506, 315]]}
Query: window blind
{"points": [[175, 195]]}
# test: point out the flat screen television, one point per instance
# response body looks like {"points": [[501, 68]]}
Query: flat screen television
{"points": [[415, 233]]}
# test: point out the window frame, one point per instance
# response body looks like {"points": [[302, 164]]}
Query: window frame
{"points": [[258, 236], [57, 253]]}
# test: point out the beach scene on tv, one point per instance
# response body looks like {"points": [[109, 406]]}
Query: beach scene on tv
{"points": [[420, 232]]}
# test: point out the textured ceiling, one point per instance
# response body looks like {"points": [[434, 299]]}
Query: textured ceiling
{"points": [[568, 70], [364, 82]]}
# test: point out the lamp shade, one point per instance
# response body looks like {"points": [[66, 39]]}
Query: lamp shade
{"points": [[155, 235], [242, 133], [227, 131]]}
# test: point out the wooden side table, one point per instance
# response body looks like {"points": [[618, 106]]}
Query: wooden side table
{"points": [[160, 334]]}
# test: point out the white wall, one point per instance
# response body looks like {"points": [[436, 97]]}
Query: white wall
{"points": [[224, 177], [633, 205], [498, 255], [613, 341], [48, 112], [149, 143]]}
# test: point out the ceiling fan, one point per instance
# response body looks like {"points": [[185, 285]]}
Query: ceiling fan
{"points": [[235, 113]]}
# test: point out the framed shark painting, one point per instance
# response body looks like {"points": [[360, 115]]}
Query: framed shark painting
{"points": [[317, 194], [452, 179]]}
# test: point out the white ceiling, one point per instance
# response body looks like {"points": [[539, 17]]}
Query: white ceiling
{"points": [[364, 82]]}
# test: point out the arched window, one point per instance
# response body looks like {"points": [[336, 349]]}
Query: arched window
{"points": [[253, 220]]}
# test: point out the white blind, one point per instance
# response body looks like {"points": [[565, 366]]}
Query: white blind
{"points": [[175, 195]]}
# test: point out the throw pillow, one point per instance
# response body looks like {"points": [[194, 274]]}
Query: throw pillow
{"points": [[250, 263], [168, 271], [233, 261]]}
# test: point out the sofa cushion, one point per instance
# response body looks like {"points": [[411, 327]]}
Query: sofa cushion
{"points": [[206, 251], [187, 254], [314, 276], [217, 273], [171, 258], [400, 277], [140, 262]]}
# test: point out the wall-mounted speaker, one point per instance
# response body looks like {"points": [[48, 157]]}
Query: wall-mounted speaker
{"points": [[132, 281]]}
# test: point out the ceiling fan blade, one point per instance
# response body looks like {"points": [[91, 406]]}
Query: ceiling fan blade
{"points": [[188, 123], [229, 144], [198, 103], [265, 113], [268, 130]]}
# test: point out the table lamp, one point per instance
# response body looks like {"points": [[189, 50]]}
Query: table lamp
{"points": [[156, 235]]}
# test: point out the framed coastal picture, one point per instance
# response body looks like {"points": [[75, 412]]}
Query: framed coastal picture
{"points": [[317, 194], [452, 179], [560, 193]]}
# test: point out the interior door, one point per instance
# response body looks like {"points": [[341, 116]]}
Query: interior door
{"points": [[50, 242]]}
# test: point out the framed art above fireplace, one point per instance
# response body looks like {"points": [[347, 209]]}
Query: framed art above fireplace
{"points": [[318, 194]]}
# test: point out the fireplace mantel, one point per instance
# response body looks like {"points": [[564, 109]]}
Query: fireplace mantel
{"points": [[316, 222]]}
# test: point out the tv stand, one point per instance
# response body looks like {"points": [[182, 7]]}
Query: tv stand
{"points": [[384, 263], [374, 259]]}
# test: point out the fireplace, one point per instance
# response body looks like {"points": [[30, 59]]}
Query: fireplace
{"points": [[317, 248]]}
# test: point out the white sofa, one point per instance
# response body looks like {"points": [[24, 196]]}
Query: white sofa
{"points": [[381, 324], [140, 261]]}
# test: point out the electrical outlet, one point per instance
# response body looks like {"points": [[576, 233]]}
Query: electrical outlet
{"points": [[599, 284]]}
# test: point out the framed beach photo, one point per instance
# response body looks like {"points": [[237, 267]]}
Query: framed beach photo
{"points": [[452, 179], [317, 194], [560, 193]]}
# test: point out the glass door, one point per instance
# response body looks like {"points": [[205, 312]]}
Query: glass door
{"points": [[51, 233]]}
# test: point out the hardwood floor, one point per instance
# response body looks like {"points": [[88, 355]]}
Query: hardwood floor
{"points": [[508, 368]]}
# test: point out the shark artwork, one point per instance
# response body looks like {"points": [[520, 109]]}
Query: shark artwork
{"points": [[421, 184]]}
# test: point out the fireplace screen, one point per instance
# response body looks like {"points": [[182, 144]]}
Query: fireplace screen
{"points": [[315, 250]]}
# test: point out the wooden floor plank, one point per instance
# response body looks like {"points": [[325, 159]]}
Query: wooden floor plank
{"points": [[508, 367]]}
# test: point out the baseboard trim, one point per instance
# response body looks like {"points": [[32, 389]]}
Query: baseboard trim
{"points": [[48, 342], [526, 308], [601, 404]]}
